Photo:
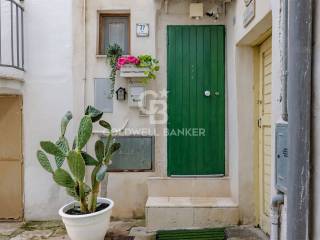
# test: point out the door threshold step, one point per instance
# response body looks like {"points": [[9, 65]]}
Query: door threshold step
{"points": [[189, 187], [190, 202], [190, 212]]}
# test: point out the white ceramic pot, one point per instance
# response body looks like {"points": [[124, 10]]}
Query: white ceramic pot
{"points": [[93, 226]]}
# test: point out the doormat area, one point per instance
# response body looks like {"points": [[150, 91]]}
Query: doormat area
{"points": [[203, 234]]}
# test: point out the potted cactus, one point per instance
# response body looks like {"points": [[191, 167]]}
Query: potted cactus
{"points": [[87, 217]]}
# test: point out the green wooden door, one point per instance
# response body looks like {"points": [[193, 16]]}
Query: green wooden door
{"points": [[196, 100]]}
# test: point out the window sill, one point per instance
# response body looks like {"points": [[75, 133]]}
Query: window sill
{"points": [[100, 56]]}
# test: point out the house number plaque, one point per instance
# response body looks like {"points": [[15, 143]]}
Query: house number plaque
{"points": [[142, 29]]}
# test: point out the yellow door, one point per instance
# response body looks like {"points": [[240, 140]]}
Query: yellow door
{"points": [[265, 55], [10, 157]]}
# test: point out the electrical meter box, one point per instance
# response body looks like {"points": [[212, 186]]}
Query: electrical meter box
{"points": [[281, 156]]}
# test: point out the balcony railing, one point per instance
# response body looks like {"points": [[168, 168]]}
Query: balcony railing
{"points": [[11, 34]]}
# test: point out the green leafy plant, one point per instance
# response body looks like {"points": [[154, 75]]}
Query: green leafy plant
{"points": [[152, 66], [113, 53], [77, 159]]}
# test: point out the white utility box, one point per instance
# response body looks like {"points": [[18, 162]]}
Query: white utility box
{"points": [[196, 10], [136, 97]]}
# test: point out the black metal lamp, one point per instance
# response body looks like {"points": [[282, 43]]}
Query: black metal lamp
{"points": [[121, 94]]}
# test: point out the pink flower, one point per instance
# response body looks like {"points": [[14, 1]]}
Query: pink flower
{"points": [[122, 61], [127, 59], [137, 61], [132, 59]]}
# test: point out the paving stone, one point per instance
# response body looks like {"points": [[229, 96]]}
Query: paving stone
{"points": [[33, 235], [141, 233], [245, 233], [120, 229], [65, 237], [120, 238], [59, 232], [34, 225], [54, 230], [6, 229]]}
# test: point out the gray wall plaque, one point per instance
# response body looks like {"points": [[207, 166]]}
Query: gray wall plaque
{"points": [[102, 95], [136, 154]]}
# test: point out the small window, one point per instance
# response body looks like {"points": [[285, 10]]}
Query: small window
{"points": [[114, 28]]}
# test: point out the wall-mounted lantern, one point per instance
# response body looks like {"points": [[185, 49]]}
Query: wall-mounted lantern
{"points": [[121, 94]]}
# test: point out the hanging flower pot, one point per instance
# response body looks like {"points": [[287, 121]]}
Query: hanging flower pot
{"points": [[128, 67], [132, 71], [143, 66]]}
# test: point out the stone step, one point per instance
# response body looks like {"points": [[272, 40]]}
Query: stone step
{"points": [[188, 187], [190, 212]]}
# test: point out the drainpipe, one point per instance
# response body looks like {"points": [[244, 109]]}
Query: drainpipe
{"points": [[284, 59], [277, 201], [299, 108], [85, 53]]}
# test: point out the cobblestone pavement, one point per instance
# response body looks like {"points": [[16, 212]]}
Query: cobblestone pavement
{"points": [[54, 230], [119, 230], [245, 233]]}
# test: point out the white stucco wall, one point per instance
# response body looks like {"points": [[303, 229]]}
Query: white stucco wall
{"points": [[128, 190], [241, 43], [48, 94]]}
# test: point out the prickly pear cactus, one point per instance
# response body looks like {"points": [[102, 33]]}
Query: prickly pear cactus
{"points": [[77, 159]]}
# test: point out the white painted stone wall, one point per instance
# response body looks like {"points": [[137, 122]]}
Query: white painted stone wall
{"points": [[128, 190], [47, 95]]}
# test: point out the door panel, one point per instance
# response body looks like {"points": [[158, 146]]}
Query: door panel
{"points": [[10, 157], [265, 111], [195, 65]]}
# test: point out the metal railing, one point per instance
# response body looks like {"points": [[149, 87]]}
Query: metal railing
{"points": [[11, 34]]}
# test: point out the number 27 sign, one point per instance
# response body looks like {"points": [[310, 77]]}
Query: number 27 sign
{"points": [[142, 29]]}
